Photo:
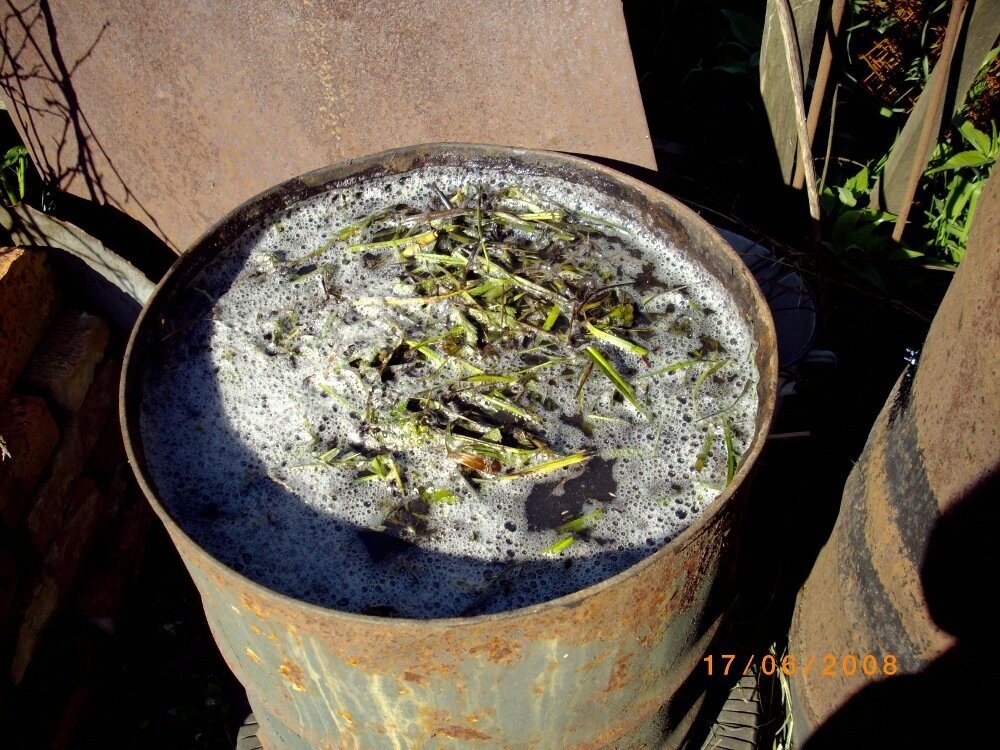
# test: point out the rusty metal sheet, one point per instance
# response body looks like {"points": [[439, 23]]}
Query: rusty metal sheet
{"points": [[188, 109], [933, 450], [590, 670]]}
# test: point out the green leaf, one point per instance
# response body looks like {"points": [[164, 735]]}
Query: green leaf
{"points": [[584, 522], [845, 196], [744, 28], [548, 466], [963, 159], [859, 183], [621, 343], [976, 138], [432, 495], [736, 69], [730, 452], [13, 155], [561, 544], [620, 384], [552, 317], [706, 449]]}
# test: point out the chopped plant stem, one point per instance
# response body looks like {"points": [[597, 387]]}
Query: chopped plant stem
{"points": [[696, 391], [432, 495], [501, 297], [418, 240], [620, 384], [731, 457], [615, 340], [551, 318], [705, 451], [563, 543], [582, 523], [486, 378], [672, 368], [726, 410], [548, 466]]}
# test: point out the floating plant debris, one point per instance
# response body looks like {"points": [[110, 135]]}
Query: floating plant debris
{"points": [[496, 373]]}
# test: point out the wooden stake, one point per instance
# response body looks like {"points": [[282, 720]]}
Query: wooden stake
{"points": [[927, 129], [822, 78], [795, 73]]}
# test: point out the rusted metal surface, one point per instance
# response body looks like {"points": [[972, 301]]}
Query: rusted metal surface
{"points": [[185, 110], [595, 669], [934, 448]]}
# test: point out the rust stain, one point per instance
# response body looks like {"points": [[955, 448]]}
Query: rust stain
{"points": [[347, 716], [462, 733], [476, 718], [293, 673], [254, 606], [253, 656], [619, 675], [498, 650], [515, 646], [595, 662], [894, 567]]}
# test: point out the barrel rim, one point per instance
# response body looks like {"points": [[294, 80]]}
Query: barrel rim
{"points": [[396, 161]]}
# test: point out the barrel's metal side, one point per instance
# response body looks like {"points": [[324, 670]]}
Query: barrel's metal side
{"points": [[932, 449], [575, 675], [583, 671]]}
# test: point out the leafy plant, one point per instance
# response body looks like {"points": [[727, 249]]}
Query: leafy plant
{"points": [[961, 175], [737, 52], [860, 236], [12, 174], [740, 52]]}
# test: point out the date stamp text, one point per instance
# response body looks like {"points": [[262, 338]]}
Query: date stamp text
{"points": [[826, 665]]}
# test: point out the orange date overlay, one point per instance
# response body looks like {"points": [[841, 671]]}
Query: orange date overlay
{"points": [[827, 665]]}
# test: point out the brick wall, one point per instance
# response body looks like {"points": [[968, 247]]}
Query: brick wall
{"points": [[72, 524]]}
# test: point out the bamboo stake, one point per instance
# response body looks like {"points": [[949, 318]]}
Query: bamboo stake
{"points": [[822, 78], [795, 73], [927, 129]]}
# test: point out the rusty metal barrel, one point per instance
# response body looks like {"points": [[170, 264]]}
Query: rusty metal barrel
{"points": [[900, 578], [597, 668]]}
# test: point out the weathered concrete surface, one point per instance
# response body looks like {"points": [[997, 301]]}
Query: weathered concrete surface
{"points": [[188, 109], [902, 573]]}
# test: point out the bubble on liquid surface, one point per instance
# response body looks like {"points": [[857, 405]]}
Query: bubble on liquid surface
{"points": [[241, 405]]}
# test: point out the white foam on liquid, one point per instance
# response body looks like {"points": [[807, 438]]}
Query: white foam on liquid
{"points": [[230, 428]]}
